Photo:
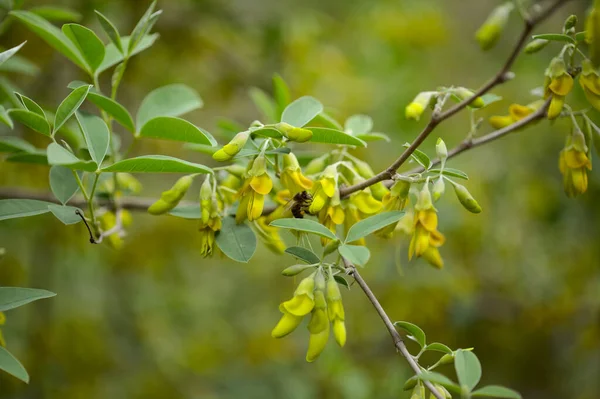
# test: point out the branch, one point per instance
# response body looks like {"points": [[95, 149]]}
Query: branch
{"points": [[398, 341], [501, 76]]}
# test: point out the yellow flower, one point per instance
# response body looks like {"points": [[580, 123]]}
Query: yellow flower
{"points": [[558, 84], [270, 235], [231, 149], [228, 188], [574, 164], [395, 200], [365, 202], [301, 304], [292, 177], [318, 327], [590, 82], [335, 310], [253, 191], [323, 189], [516, 112], [210, 221], [426, 239], [379, 190], [415, 109], [332, 215]]}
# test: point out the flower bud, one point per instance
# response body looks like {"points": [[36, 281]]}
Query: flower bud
{"points": [[231, 149], [441, 150], [169, 199], [466, 199], [206, 200], [293, 133], [488, 34], [464, 94], [259, 166], [415, 109], [424, 201], [331, 247], [570, 23], [438, 188], [536, 45], [418, 392], [295, 270], [410, 383]]}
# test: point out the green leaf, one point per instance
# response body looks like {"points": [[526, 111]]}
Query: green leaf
{"points": [[373, 137], [66, 214], [96, 134], [358, 124], [332, 136], [13, 297], [301, 111], [266, 132], [489, 98], [326, 120], [451, 172], [5, 118], [89, 45], [414, 332], [19, 208], [51, 35], [372, 224], [110, 30], [420, 157], [556, 37], [54, 13], [58, 155], [496, 391], [141, 28], [187, 211], [31, 120], [468, 368], [21, 65], [264, 103], [356, 254], [281, 93], [12, 366], [441, 379], [304, 254], [436, 346], [176, 129], [205, 149], [246, 152], [38, 157], [62, 183], [580, 36], [340, 280], [156, 164], [305, 225], [171, 100], [113, 56], [69, 105], [15, 144], [237, 241], [31, 105], [5, 55]]}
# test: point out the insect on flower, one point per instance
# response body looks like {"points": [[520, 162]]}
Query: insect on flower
{"points": [[299, 204]]}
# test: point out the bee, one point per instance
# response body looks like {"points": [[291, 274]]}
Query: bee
{"points": [[299, 204]]}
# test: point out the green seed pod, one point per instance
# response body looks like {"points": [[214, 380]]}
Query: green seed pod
{"points": [[466, 199], [536, 45], [438, 189], [169, 199], [488, 34], [295, 270]]}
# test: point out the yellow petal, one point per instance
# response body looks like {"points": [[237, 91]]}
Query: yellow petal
{"points": [[518, 111], [365, 203], [575, 159], [498, 122], [255, 206], [593, 98], [316, 344], [561, 85], [262, 184], [428, 219], [339, 332], [556, 105], [286, 325], [328, 185], [299, 305], [318, 321], [432, 255], [318, 202]]}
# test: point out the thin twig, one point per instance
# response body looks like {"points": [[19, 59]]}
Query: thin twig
{"points": [[501, 76], [398, 341]]}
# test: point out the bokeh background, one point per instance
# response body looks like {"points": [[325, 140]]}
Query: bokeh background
{"points": [[521, 283]]}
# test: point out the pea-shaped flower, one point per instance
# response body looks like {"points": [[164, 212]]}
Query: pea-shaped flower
{"points": [[332, 215], [574, 164], [324, 189], [335, 310], [516, 112], [253, 191], [415, 109], [292, 177], [557, 85], [590, 82], [301, 304], [426, 239], [395, 200]]}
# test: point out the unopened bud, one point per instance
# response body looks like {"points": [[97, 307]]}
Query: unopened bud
{"points": [[438, 188], [259, 166], [415, 109], [400, 189], [169, 199], [331, 247], [536, 45], [290, 161], [578, 141], [410, 383], [295, 270], [424, 201], [488, 34], [570, 23], [466, 199], [293, 133], [464, 94], [418, 392], [441, 150], [231, 149]]}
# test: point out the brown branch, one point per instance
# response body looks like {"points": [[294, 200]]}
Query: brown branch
{"points": [[501, 76], [398, 341]]}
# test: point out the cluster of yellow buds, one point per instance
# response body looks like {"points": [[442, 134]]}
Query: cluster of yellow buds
{"points": [[516, 112], [232, 148], [210, 219], [323, 301], [557, 84], [252, 193], [590, 82], [574, 163], [170, 198], [426, 238]]}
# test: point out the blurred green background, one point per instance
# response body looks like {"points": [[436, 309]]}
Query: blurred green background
{"points": [[155, 320]]}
